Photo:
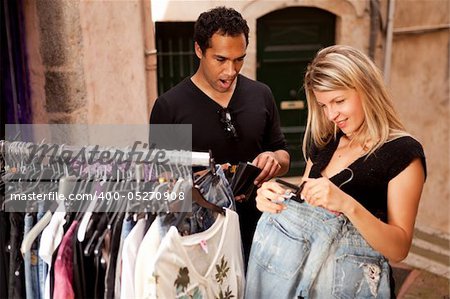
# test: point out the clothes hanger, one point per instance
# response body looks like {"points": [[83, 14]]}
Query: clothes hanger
{"points": [[186, 205], [101, 225], [211, 171], [176, 188], [37, 176], [180, 186], [31, 236], [110, 224], [90, 246], [83, 206], [139, 174], [113, 215], [85, 220], [65, 187], [153, 184], [201, 178], [37, 229], [160, 189], [199, 199]]}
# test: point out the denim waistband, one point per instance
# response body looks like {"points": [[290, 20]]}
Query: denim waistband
{"points": [[303, 216]]}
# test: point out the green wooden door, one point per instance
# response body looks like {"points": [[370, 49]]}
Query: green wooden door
{"points": [[287, 41]]}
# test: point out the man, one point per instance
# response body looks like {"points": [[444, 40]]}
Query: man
{"points": [[231, 115]]}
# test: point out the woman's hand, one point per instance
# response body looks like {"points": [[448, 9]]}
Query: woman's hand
{"points": [[270, 198], [323, 193]]}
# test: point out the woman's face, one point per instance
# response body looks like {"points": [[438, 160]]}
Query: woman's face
{"points": [[342, 107]]}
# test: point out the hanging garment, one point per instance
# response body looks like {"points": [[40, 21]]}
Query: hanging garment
{"points": [[204, 265], [31, 261], [129, 253], [50, 240], [114, 256], [127, 226], [42, 217], [64, 266], [16, 281], [4, 254], [145, 257]]}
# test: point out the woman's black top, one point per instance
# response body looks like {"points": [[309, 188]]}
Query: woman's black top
{"points": [[371, 174]]}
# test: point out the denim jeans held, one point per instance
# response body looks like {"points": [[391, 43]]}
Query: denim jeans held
{"points": [[308, 252], [288, 250], [354, 268]]}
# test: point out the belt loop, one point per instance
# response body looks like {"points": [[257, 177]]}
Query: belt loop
{"points": [[344, 223]]}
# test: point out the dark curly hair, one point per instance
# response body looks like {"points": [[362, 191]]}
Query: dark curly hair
{"points": [[222, 20]]}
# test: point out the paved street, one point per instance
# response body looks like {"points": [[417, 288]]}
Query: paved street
{"points": [[413, 283]]}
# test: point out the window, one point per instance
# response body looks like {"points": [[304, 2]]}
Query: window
{"points": [[176, 57]]}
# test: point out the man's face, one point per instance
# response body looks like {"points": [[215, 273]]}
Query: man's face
{"points": [[221, 63]]}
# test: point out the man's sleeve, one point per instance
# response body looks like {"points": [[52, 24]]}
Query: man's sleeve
{"points": [[159, 136], [161, 113]]}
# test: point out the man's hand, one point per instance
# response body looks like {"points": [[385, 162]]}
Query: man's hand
{"points": [[271, 163]]}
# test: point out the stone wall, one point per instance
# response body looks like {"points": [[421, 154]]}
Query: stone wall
{"points": [[87, 61], [420, 87]]}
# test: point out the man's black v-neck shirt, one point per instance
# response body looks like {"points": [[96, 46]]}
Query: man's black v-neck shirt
{"points": [[253, 113]]}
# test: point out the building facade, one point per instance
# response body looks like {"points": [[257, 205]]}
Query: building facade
{"points": [[104, 62]]}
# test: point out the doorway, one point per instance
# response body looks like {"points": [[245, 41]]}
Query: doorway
{"points": [[288, 39]]}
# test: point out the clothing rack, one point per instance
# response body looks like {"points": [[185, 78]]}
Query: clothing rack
{"points": [[177, 156], [89, 162], [88, 228]]}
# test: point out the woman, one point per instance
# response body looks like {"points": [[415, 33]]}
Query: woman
{"points": [[363, 181]]}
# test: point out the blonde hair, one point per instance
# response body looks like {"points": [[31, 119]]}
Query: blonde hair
{"points": [[342, 67]]}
